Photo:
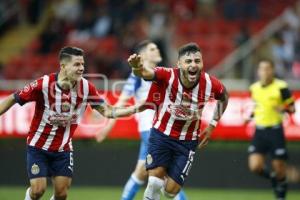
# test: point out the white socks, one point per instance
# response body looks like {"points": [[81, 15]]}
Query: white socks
{"points": [[137, 180], [152, 191], [27, 195]]}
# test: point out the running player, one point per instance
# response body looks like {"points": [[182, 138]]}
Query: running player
{"points": [[178, 96], [138, 88], [61, 99], [272, 99]]}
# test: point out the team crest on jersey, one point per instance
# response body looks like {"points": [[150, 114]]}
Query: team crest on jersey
{"points": [[149, 159], [65, 107], [35, 169]]}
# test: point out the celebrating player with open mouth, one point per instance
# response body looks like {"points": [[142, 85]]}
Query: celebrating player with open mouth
{"points": [[61, 99], [138, 88], [178, 96]]}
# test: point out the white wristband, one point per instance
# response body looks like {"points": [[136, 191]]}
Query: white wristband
{"points": [[113, 113], [213, 122]]}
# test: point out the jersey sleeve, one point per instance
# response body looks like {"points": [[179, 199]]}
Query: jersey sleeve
{"points": [[286, 96], [132, 84], [30, 92], [154, 98], [217, 88], [94, 98], [162, 74]]}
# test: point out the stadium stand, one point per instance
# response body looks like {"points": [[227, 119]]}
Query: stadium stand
{"points": [[108, 30]]}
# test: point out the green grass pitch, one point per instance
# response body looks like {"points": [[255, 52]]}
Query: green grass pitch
{"points": [[113, 193]]}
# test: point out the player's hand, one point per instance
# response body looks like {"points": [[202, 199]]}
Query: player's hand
{"points": [[206, 133], [280, 109], [285, 109], [135, 61]]}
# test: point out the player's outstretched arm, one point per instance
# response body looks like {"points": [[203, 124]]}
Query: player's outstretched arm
{"points": [[136, 63], [110, 111], [102, 134], [219, 110], [7, 103]]}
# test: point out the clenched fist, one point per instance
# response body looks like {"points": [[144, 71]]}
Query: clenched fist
{"points": [[135, 61]]}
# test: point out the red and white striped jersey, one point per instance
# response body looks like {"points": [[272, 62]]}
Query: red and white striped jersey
{"points": [[57, 111], [179, 109]]}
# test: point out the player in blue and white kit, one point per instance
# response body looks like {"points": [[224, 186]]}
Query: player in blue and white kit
{"points": [[138, 88]]}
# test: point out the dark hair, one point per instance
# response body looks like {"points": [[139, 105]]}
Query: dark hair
{"points": [[142, 45], [188, 48], [268, 61], [67, 52]]}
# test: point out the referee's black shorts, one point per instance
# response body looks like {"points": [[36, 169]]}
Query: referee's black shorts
{"points": [[269, 140]]}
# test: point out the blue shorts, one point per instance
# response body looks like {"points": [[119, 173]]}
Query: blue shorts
{"points": [[175, 155], [144, 145], [41, 163]]}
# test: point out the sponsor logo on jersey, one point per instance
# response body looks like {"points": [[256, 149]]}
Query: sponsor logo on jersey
{"points": [[62, 119], [181, 112]]}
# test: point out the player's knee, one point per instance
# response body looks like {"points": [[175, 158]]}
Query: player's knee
{"points": [[281, 175], [37, 191], [280, 172], [256, 167], [60, 194]]}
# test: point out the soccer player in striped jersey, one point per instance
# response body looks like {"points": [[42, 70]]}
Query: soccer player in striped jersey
{"points": [[61, 99], [178, 96], [138, 88], [272, 98]]}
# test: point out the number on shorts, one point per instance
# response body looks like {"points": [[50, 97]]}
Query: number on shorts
{"points": [[188, 165], [71, 159]]}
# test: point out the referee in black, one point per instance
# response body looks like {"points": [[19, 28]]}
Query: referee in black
{"points": [[272, 99]]}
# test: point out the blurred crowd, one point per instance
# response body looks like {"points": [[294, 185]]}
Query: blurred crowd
{"points": [[284, 46], [108, 30]]}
